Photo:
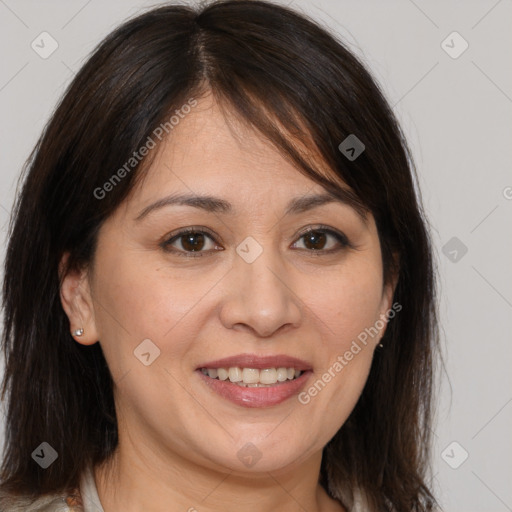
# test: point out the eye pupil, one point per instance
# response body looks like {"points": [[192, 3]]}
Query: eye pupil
{"points": [[315, 237], [189, 244]]}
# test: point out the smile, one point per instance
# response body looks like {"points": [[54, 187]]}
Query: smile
{"points": [[253, 377], [255, 380]]}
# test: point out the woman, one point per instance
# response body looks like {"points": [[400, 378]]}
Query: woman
{"points": [[219, 286]]}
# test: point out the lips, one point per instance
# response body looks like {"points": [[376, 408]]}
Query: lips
{"points": [[258, 396]]}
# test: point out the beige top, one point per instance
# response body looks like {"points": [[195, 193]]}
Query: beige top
{"points": [[89, 493], [84, 499]]}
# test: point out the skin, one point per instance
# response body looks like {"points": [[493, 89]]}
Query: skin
{"points": [[179, 440]]}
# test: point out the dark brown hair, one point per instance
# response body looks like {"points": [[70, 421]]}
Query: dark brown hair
{"points": [[287, 77]]}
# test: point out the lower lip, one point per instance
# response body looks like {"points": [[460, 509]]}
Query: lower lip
{"points": [[256, 397]]}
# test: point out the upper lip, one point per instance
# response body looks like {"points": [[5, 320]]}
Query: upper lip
{"points": [[258, 362]]}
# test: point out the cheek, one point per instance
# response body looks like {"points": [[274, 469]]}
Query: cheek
{"points": [[136, 300], [346, 311], [348, 306], [126, 308]]}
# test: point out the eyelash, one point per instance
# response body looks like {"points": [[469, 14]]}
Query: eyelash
{"points": [[340, 238]]}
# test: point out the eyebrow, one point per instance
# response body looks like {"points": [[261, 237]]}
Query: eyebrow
{"points": [[297, 205]]}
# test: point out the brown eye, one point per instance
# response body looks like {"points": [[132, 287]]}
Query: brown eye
{"points": [[190, 241], [316, 240]]}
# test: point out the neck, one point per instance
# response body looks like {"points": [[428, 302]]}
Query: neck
{"points": [[144, 479]]}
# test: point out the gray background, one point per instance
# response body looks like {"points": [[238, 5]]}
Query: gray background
{"points": [[456, 113]]}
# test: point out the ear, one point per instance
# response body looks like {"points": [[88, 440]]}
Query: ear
{"points": [[76, 299]]}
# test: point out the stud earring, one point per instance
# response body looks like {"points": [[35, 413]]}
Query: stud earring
{"points": [[78, 332]]}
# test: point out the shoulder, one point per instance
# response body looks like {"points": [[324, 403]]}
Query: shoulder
{"points": [[64, 502]]}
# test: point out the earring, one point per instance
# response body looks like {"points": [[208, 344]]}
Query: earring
{"points": [[78, 332], [381, 345]]}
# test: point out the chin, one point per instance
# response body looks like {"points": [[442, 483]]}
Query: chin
{"points": [[253, 457]]}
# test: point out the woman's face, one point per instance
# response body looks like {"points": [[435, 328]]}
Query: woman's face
{"points": [[256, 290]]}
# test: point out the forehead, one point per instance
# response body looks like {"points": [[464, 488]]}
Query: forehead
{"points": [[210, 147], [209, 153]]}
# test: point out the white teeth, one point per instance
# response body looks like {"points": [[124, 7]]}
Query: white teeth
{"points": [[282, 374], [235, 374], [252, 377], [268, 376], [222, 373]]}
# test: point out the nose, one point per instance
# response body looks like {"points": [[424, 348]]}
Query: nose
{"points": [[260, 297]]}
